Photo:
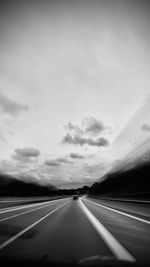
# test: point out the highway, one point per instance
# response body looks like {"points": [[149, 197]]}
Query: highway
{"points": [[67, 230]]}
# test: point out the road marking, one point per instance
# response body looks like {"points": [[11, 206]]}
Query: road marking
{"points": [[20, 200], [19, 214], [12, 239], [120, 212], [28, 206], [127, 200], [9, 201], [2, 210], [117, 249]]}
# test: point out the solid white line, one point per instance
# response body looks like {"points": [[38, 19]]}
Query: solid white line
{"points": [[12, 239], [9, 201], [16, 201], [127, 200], [20, 200], [28, 206], [117, 249], [120, 212], [9, 209], [19, 214]]}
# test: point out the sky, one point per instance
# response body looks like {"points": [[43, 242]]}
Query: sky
{"points": [[74, 75]]}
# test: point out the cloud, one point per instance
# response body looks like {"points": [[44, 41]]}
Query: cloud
{"points": [[11, 107], [68, 139], [2, 137], [74, 128], [83, 135], [69, 126], [93, 126], [13, 167], [57, 161], [97, 170], [52, 162], [90, 126], [6, 129], [80, 140], [146, 127], [26, 154], [64, 160], [76, 156]]}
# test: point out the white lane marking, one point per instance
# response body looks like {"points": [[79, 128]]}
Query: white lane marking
{"points": [[127, 200], [117, 249], [2, 210], [12, 239], [9, 209], [10, 201], [120, 212], [20, 200], [28, 206], [21, 213]]}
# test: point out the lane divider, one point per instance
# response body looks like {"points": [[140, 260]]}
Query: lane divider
{"points": [[12, 239], [29, 206], [25, 212], [117, 249], [16, 201], [120, 212], [21, 200]]}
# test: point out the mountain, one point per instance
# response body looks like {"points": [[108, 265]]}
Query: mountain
{"points": [[133, 183], [11, 186]]}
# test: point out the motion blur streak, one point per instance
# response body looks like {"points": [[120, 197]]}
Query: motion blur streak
{"points": [[70, 235], [29, 206], [118, 250], [9, 241], [120, 212], [19, 214]]}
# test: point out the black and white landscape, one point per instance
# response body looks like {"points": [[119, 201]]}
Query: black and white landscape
{"points": [[75, 132]]}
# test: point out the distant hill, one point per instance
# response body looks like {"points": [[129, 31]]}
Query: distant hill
{"points": [[79, 191], [133, 183], [11, 186]]}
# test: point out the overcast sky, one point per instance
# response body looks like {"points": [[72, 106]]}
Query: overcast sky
{"points": [[72, 75]]}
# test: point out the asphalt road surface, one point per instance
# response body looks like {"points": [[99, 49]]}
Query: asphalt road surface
{"points": [[68, 230]]}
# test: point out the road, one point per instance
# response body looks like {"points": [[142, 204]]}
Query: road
{"points": [[69, 230]]}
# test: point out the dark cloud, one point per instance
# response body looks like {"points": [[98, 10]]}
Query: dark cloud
{"points": [[57, 161], [92, 126], [64, 160], [80, 140], [11, 107], [52, 162], [146, 127], [26, 154], [68, 139], [76, 156], [83, 135], [73, 127]]}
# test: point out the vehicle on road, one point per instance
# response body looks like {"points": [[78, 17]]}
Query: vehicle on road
{"points": [[75, 197]]}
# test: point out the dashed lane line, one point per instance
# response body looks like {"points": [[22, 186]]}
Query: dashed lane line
{"points": [[25, 212], [12, 239], [29, 206]]}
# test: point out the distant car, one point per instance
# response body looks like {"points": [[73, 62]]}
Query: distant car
{"points": [[75, 197]]}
